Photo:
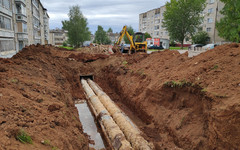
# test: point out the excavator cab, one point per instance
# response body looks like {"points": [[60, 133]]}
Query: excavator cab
{"points": [[139, 41]]}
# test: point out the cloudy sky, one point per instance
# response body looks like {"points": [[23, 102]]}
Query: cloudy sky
{"points": [[107, 13]]}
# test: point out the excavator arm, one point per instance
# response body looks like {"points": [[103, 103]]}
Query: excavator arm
{"points": [[130, 38]]}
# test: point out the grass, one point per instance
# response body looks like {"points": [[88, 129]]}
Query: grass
{"points": [[23, 137], [178, 48], [66, 47], [177, 84]]}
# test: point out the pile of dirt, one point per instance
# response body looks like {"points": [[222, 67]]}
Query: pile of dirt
{"points": [[184, 103], [38, 87]]}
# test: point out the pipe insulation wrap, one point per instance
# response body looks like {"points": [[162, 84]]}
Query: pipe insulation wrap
{"points": [[131, 132], [114, 133]]}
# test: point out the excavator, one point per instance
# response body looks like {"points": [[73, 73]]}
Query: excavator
{"points": [[137, 41]]}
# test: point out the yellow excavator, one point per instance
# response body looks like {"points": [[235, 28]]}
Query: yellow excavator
{"points": [[137, 41]]}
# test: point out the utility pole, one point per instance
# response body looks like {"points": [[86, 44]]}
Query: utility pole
{"points": [[214, 34]]}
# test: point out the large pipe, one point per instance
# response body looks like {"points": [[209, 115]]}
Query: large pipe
{"points": [[131, 132], [116, 136]]}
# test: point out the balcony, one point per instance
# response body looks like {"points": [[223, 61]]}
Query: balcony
{"points": [[21, 17], [22, 36], [21, 1]]}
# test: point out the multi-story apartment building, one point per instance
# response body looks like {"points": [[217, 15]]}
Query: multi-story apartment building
{"points": [[58, 37], [7, 40], [211, 16], [152, 21], [22, 22]]}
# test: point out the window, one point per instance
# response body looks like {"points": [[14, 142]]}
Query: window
{"points": [[5, 23], [210, 10], [156, 27], [36, 22], [156, 33], [209, 29], [157, 21], [24, 27], [166, 33], [6, 4], [211, 1], [6, 45], [35, 2], [209, 20]]}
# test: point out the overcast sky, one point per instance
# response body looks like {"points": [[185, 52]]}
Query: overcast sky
{"points": [[107, 13]]}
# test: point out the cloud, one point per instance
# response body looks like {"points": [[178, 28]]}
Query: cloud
{"points": [[107, 13]]}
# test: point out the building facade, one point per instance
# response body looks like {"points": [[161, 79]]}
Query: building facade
{"points": [[211, 16], [152, 21], [58, 37], [22, 23]]}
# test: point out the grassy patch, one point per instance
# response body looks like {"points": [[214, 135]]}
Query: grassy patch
{"points": [[178, 48], [177, 84], [23, 137], [66, 47]]}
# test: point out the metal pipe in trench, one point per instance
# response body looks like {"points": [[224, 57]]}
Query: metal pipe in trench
{"points": [[131, 132], [116, 136]]}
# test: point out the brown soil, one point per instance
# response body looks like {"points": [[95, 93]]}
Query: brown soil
{"points": [[186, 103], [178, 102]]}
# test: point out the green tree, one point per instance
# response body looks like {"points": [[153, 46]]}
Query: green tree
{"points": [[182, 17], [131, 32], [229, 25], [147, 35], [101, 36], [76, 26], [200, 37], [110, 30]]}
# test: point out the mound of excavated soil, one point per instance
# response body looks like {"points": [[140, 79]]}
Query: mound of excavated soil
{"points": [[37, 91], [186, 103]]}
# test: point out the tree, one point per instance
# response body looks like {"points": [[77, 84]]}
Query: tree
{"points": [[76, 26], [131, 32], [101, 36], [200, 38], [147, 35], [182, 17], [110, 30], [229, 25]]}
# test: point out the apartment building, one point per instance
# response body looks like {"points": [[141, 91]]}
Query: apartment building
{"points": [[58, 37], [7, 36], [22, 23], [211, 16], [152, 21]]}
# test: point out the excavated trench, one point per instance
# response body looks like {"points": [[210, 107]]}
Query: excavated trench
{"points": [[118, 130]]}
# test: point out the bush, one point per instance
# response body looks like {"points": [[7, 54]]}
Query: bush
{"points": [[64, 44], [200, 38]]}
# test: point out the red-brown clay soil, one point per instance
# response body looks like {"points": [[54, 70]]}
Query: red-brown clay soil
{"points": [[178, 102], [185, 103], [38, 87]]}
